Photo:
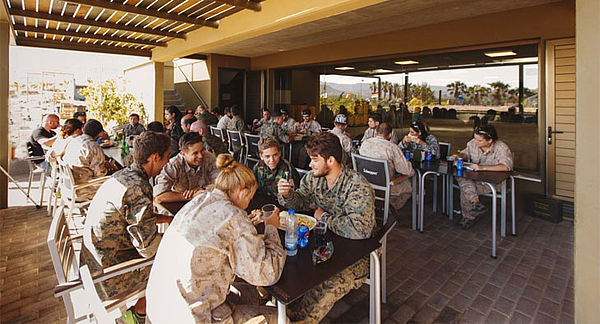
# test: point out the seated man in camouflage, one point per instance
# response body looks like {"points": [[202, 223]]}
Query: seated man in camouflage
{"points": [[188, 173], [120, 225], [274, 128], [343, 199], [273, 167], [134, 127], [211, 143]]}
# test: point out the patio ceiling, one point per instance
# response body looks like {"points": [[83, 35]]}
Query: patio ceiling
{"points": [[130, 27]]}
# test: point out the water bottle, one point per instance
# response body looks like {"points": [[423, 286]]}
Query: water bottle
{"points": [[291, 233]]}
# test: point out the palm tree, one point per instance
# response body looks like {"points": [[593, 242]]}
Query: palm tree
{"points": [[499, 91], [374, 88], [456, 88], [424, 92], [477, 92]]}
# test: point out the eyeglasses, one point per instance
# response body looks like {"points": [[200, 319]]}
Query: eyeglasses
{"points": [[415, 127]]}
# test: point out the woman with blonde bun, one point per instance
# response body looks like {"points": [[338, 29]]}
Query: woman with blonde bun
{"points": [[210, 242]]}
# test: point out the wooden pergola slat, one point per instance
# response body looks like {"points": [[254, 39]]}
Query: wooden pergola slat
{"points": [[146, 12], [89, 22], [65, 45], [242, 4], [62, 32]]}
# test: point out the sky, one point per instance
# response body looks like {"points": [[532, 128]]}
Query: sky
{"points": [[469, 76], [83, 65]]}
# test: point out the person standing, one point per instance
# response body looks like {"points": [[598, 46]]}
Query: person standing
{"points": [[343, 199], [120, 225]]}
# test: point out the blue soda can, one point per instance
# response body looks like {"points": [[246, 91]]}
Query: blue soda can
{"points": [[407, 155], [428, 155], [302, 235], [459, 164]]}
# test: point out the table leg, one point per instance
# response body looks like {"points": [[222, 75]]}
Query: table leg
{"points": [[414, 198], [451, 196], [375, 290], [444, 193], [494, 203], [421, 198], [435, 185], [503, 209], [281, 313], [512, 206]]}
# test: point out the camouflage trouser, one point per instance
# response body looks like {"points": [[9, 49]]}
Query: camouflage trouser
{"points": [[398, 201], [469, 190], [245, 306], [316, 303]]}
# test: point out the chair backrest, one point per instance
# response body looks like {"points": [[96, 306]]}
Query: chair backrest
{"points": [[376, 171], [217, 132], [66, 180], [61, 248], [252, 142], [235, 140], [444, 150]]}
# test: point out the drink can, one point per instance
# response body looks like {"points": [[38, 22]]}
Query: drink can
{"points": [[428, 155], [459, 164], [407, 155], [302, 235]]}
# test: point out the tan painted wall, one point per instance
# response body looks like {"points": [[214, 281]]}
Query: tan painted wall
{"points": [[526, 23], [188, 96], [587, 178], [216, 61], [169, 76], [140, 83]]}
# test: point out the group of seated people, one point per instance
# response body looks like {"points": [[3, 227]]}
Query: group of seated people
{"points": [[211, 241]]}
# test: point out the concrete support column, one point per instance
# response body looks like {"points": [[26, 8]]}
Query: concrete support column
{"points": [[587, 178], [4, 147], [159, 94], [169, 75]]}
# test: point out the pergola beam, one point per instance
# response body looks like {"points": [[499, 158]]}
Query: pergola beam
{"points": [[62, 32], [246, 4], [47, 43], [146, 12], [93, 23]]}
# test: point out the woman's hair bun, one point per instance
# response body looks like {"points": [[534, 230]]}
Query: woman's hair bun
{"points": [[225, 162]]}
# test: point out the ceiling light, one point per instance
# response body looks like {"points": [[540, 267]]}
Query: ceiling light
{"points": [[382, 71], [344, 68], [407, 62], [500, 54]]}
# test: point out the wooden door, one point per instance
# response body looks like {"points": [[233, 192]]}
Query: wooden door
{"points": [[560, 131]]}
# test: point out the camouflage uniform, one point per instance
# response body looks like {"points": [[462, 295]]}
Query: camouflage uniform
{"points": [[213, 144], [261, 122], [176, 131], [372, 132], [215, 242], [133, 130], [289, 125], [237, 124], [276, 130], [268, 179], [310, 127], [498, 153], [177, 175], [351, 207], [380, 148], [208, 118], [346, 142], [120, 227], [224, 122], [86, 159], [431, 144]]}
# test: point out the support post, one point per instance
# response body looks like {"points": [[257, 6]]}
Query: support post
{"points": [[159, 93], [4, 139]]}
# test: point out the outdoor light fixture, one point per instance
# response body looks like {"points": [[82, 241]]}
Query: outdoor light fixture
{"points": [[407, 62], [344, 68], [500, 54]]}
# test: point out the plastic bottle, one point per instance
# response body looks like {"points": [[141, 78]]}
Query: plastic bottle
{"points": [[291, 233]]}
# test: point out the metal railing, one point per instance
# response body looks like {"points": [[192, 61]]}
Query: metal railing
{"points": [[190, 84]]}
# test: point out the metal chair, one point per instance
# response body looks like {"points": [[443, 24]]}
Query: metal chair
{"points": [[236, 144], [217, 132], [252, 153], [33, 162], [377, 173]]}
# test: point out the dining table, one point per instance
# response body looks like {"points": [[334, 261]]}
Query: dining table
{"points": [[300, 275]]}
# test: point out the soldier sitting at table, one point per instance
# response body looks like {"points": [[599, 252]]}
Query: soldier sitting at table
{"points": [[343, 199], [273, 167], [274, 128], [381, 147], [188, 173], [134, 127], [120, 225], [308, 126], [211, 242], [211, 143], [340, 125], [486, 153]]}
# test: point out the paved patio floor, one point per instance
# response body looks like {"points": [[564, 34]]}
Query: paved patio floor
{"points": [[445, 275]]}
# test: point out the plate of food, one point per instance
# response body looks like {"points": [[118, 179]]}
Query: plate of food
{"points": [[107, 144], [255, 216], [309, 221]]}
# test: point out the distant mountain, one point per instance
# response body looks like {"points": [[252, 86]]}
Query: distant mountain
{"points": [[335, 89]]}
